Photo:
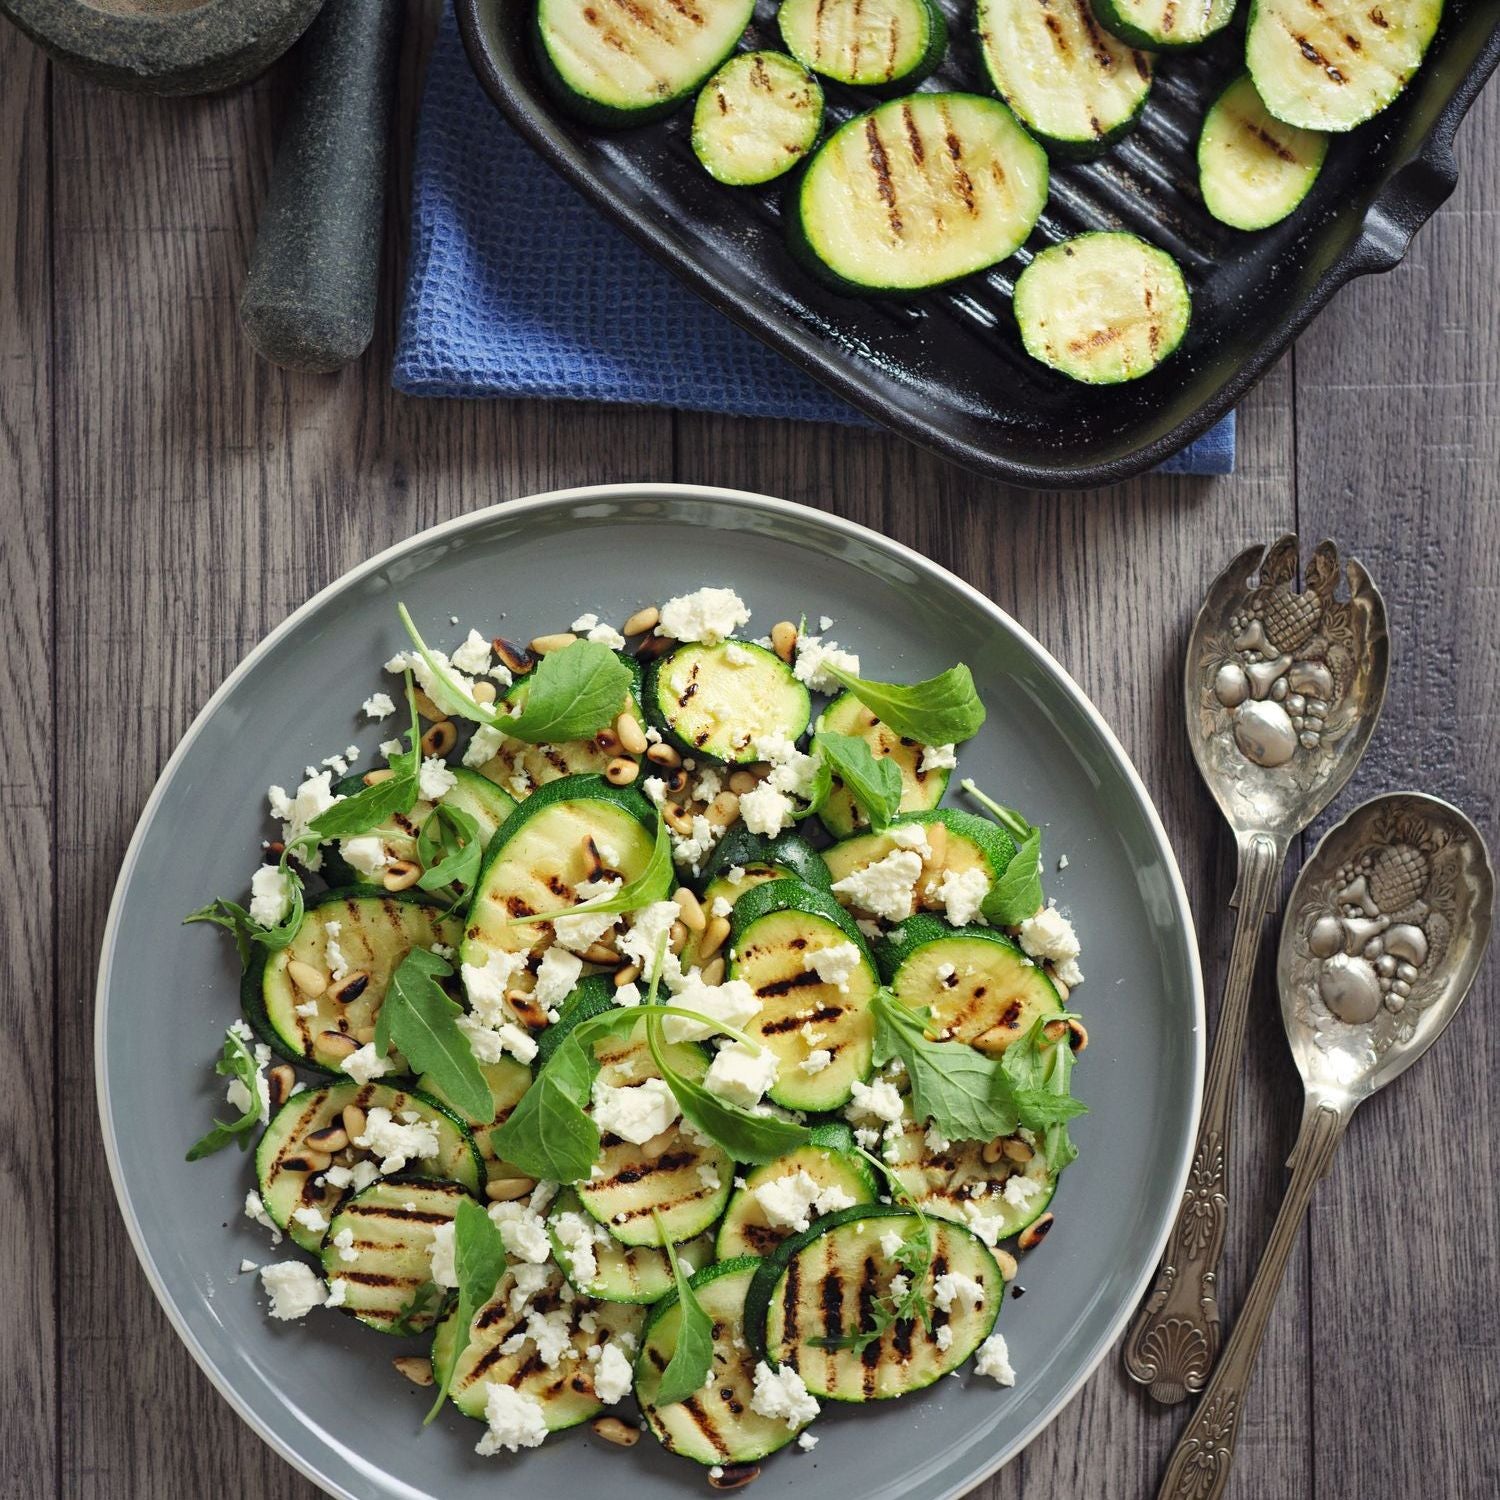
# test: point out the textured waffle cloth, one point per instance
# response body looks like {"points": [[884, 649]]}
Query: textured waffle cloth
{"points": [[502, 300]]}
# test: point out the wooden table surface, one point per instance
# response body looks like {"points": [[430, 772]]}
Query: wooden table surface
{"points": [[165, 499]]}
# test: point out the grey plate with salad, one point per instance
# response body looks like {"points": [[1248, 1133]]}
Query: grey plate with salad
{"points": [[668, 985]]}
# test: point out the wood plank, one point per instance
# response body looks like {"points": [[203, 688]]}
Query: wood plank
{"points": [[28, 1343], [1399, 459], [1089, 574], [201, 496]]}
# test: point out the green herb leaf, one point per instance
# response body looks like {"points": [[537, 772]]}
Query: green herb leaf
{"points": [[420, 1021], [450, 851], [549, 1135], [914, 1255], [872, 780], [961, 1090], [1039, 1071], [479, 1261], [940, 711], [417, 1309], [818, 792], [351, 816], [693, 1350], [443, 687], [651, 885], [1017, 894], [248, 933], [235, 1061]]}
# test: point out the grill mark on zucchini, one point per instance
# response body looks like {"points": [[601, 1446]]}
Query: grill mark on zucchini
{"points": [[881, 166], [796, 1021], [913, 136], [668, 1161]]}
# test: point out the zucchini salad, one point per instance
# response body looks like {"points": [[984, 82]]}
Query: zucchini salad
{"points": [[894, 188], [649, 1035]]}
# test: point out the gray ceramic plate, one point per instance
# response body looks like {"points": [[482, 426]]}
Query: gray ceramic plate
{"points": [[324, 1394]]}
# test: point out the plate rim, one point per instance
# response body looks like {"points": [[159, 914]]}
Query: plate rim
{"points": [[1418, 185], [585, 494]]}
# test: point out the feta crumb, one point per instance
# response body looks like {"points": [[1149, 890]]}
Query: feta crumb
{"points": [[515, 1421], [993, 1359], [721, 907], [366, 1064], [338, 1292], [524, 1235], [612, 1375], [247, 1266], [627, 994], [293, 1288], [938, 758], [879, 1099], [815, 1061], [270, 900], [486, 985], [367, 854], [732, 1003], [707, 615], [807, 1442], [765, 810], [256, 1209], [943, 1337], [890, 1243], [782, 1393], [786, 1201], [555, 977], [962, 893], [491, 1043], [886, 888], [1049, 935], [378, 706], [693, 848], [484, 745], [314, 796], [815, 658], [637, 1112], [1020, 1190], [333, 954], [440, 1253], [398, 1142], [310, 1218], [643, 937], [953, 1287], [834, 965], [473, 656], [343, 1242], [591, 628], [576, 1237], [741, 1076], [435, 780]]}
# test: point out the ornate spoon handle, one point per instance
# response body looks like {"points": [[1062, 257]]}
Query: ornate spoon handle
{"points": [[1174, 1340], [1200, 1466]]}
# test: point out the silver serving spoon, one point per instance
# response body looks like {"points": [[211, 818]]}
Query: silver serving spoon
{"points": [[1283, 690], [1385, 930]]}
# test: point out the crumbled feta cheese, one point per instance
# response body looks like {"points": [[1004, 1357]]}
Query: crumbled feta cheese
{"points": [[954, 1286], [612, 1375], [312, 1219], [343, 1242], [814, 659], [943, 1337], [866, 1137], [293, 1288], [397, 1141], [693, 848], [786, 1201], [579, 933], [576, 1236], [807, 1442], [440, 1253], [484, 745], [648, 928], [366, 1064], [741, 1076], [945, 972], [1020, 1190], [247, 1266], [721, 907], [591, 628], [379, 706], [314, 796], [732, 1003], [473, 656], [435, 780], [362, 1174], [333, 954], [338, 1292], [782, 1393], [486, 985], [270, 900], [815, 1061], [523, 1232], [937, 1142], [515, 1421], [909, 836], [886, 888], [491, 1043], [391, 748], [834, 965], [366, 853], [627, 994], [993, 1359], [635, 1113], [765, 810], [879, 1099], [555, 977], [1049, 935], [791, 770], [256, 1209], [707, 615], [962, 893], [737, 656], [938, 758], [890, 1243]]}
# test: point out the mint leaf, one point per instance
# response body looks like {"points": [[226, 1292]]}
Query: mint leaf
{"points": [[479, 1260], [872, 780], [693, 1349], [235, 1061], [650, 886], [940, 711], [1017, 893], [1039, 1071], [420, 1021]]}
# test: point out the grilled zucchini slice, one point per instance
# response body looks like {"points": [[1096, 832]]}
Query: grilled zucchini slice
{"points": [[775, 931], [919, 192], [872, 44], [1071, 84], [1164, 25], [392, 1224], [619, 65], [507, 1080], [372, 934], [825, 1284], [715, 702], [1253, 170], [920, 790], [1103, 307], [961, 841], [757, 859], [830, 1161], [564, 1389], [287, 1180], [981, 987], [718, 1425], [1334, 67], [756, 118], [617, 1273]]}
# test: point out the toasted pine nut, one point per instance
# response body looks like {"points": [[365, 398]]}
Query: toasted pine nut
{"points": [[678, 936], [628, 975], [653, 1148], [1017, 1150], [992, 1151], [483, 692], [309, 980], [723, 810], [440, 738], [1055, 1031], [414, 1367], [555, 642], [743, 781], [621, 771], [642, 621], [363, 1034], [663, 755], [654, 646], [1007, 1263], [336, 1044], [279, 1083], [608, 742], [632, 737], [426, 707], [314, 1161], [612, 1429], [350, 987], [784, 639], [401, 875], [354, 1121], [715, 930], [734, 1476], [677, 820], [508, 1189], [692, 909], [518, 660], [600, 953], [379, 774], [330, 1138], [1078, 1036], [1034, 1234], [676, 782], [713, 973]]}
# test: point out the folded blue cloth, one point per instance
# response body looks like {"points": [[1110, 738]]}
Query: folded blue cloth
{"points": [[503, 301]]}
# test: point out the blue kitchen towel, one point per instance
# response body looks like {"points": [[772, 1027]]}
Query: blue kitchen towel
{"points": [[517, 287]]}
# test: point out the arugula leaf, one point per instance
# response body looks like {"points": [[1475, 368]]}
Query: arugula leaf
{"points": [[235, 1061], [872, 780], [1017, 894], [479, 1260], [450, 851], [964, 1092], [817, 794], [367, 809], [420, 1021], [549, 1135], [1039, 1071], [693, 1352], [421, 1305], [649, 887], [940, 711], [248, 933]]}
